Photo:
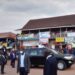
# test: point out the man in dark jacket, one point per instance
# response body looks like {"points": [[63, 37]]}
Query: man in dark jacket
{"points": [[50, 67], [23, 66], [12, 58], [4, 51], [2, 62]]}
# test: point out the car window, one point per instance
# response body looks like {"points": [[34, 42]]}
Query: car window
{"points": [[41, 52], [33, 53], [36, 52]]}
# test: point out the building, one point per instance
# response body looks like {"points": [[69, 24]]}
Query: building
{"points": [[7, 39], [48, 31]]}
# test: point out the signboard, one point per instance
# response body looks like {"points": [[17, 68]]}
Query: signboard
{"points": [[43, 40], [44, 34], [59, 39], [4, 44], [73, 45], [30, 35], [23, 38], [30, 43], [71, 34], [69, 39], [27, 37]]}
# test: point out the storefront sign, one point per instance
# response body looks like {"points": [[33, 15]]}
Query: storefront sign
{"points": [[30, 43], [69, 39], [44, 34], [4, 44], [43, 40], [71, 34], [27, 37], [59, 39], [73, 45]]}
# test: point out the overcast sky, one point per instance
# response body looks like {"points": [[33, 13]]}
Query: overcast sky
{"points": [[14, 14]]}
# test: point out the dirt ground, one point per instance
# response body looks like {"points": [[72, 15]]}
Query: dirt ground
{"points": [[38, 71]]}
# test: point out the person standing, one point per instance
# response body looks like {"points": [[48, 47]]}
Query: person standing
{"points": [[50, 67], [68, 49], [61, 49], [23, 65], [12, 58], [3, 61], [4, 51]]}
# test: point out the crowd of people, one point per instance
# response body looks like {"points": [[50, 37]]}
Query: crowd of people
{"points": [[23, 61], [4, 58], [68, 49]]}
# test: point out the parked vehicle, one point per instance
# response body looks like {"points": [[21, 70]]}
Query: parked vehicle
{"points": [[38, 57]]}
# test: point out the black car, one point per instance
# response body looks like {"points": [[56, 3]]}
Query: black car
{"points": [[38, 57]]}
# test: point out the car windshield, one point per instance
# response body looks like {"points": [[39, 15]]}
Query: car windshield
{"points": [[36, 51], [41, 51]]}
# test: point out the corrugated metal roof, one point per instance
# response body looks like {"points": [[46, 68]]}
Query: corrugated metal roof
{"points": [[53, 22], [8, 35]]}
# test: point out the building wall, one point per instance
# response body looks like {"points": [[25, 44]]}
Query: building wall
{"points": [[55, 33]]}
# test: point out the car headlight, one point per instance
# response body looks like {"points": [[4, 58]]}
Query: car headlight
{"points": [[68, 57]]}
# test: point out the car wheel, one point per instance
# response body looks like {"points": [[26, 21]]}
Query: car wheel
{"points": [[61, 65]]}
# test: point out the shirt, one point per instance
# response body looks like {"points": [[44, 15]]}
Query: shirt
{"points": [[22, 60]]}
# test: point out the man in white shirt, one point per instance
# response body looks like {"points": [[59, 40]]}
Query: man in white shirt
{"points": [[23, 66], [22, 60]]}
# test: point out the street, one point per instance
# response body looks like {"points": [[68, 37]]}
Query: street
{"points": [[38, 71]]}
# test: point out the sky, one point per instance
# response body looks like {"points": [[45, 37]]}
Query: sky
{"points": [[14, 14]]}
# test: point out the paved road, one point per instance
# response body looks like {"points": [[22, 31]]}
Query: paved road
{"points": [[38, 71]]}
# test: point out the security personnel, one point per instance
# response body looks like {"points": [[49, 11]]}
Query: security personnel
{"points": [[50, 67]]}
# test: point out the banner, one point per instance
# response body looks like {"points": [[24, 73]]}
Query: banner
{"points": [[60, 39], [69, 39], [30, 43], [44, 40], [44, 34], [71, 34]]}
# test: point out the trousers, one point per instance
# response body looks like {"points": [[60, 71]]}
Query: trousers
{"points": [[22, 71], [2, 69]]}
